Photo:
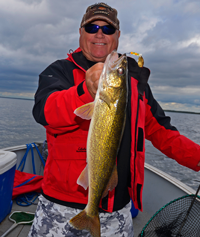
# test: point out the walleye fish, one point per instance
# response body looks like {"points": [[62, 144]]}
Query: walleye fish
{"points": [[107, 114]]}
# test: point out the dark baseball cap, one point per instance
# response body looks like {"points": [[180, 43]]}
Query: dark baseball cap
{"points": [[101, 11]]}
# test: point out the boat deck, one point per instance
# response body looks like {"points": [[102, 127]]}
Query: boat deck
{"points": [[159, 189], [20, 230]]}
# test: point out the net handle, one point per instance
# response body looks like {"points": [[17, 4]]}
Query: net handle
{"points": [[188, 212]]}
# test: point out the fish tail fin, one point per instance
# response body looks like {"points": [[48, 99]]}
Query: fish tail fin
{"points": [[83, 221]]}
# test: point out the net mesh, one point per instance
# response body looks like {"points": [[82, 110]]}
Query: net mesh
{"points": [[179, 218], [20, 217]]}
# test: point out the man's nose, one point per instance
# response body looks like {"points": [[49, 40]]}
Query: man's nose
{"points": [[100, 33]]}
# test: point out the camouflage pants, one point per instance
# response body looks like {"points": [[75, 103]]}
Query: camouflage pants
{"points": [[51, 220]]}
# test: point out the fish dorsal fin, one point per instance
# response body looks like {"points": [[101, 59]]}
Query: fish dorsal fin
{"points": [[85, 111], [83, 178]]}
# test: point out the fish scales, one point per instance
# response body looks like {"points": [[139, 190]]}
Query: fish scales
{"points": [[104, 137]]}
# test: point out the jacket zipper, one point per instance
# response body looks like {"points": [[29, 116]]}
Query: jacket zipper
{"points": [[136, 123]]}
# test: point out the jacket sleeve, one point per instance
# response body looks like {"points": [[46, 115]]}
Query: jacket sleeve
{"points": [[166, 138], [61, 90]]}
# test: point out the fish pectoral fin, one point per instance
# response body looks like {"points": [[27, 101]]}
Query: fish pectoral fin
{"points": [[84, 221], [83, 178], [85, 111], [112, 182]]}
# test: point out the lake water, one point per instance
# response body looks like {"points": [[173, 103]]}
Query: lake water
{"points": [[18, 127], [189, 126]]}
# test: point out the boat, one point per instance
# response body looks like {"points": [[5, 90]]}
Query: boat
{"points": [[159, 189]]}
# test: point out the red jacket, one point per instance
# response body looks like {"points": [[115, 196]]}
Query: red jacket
{"points": [[61, 90]]}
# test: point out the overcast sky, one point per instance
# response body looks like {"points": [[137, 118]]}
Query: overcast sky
{"points": [[35, 33]]}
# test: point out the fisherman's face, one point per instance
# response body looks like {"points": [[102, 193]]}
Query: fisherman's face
{"points": [[97, 46]]}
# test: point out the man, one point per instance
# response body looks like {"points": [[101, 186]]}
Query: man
{"points": [[68, 84]]}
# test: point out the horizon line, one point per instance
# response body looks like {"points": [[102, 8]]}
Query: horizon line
{"points": [[29, 98], [15, 97]]}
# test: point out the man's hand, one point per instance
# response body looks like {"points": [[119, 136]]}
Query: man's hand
{"points": [[92, 78], [198, 164]]}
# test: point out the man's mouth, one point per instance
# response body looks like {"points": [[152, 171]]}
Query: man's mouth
{"points": [[99, 43]]}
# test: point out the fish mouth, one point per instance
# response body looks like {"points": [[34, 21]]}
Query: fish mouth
{"points": [[115, 69], [114, 59]]}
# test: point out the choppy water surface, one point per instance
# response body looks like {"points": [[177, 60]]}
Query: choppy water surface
{"points": [[18, 127], [189, 126]]}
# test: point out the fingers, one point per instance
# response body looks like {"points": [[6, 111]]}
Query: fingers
{"points": [[92, 78]]}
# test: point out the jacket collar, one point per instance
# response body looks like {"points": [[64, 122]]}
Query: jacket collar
{"points": [[140, 74], [80, 60]]}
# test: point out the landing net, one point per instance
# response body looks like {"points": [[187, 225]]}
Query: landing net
{"points": [[179, 218]]}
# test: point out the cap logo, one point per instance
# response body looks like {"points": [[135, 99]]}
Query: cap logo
{"points": [[102, 8]]}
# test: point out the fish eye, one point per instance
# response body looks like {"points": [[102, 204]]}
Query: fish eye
{"points": [[120, 71]]}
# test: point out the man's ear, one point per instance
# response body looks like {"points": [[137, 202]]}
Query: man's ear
{"points": [[119, 33]]}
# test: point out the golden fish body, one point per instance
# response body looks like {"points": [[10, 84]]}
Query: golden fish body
{"points": [[104, 137]]}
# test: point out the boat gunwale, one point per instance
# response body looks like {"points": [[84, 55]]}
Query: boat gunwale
{"points": [[149, 167], [171, 179]]}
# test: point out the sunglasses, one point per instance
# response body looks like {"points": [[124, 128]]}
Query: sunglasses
{"points": [[92, 29]]}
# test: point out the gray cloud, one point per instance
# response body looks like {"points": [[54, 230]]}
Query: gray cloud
{"points": [[34, 33]]}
